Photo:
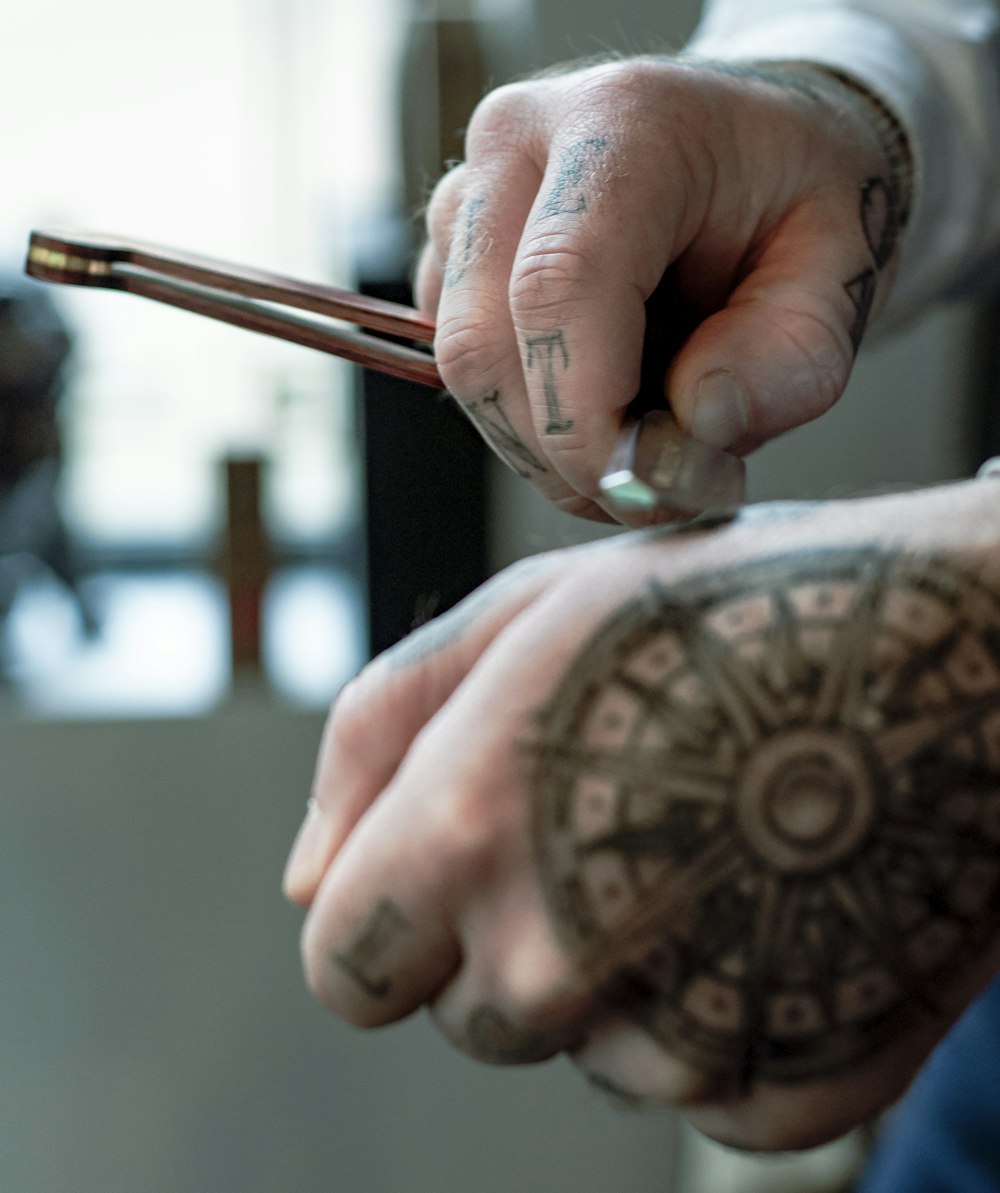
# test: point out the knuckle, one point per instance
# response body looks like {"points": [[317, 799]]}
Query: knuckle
{"points": [[823, 342], [492, 1036], [349, 722], [319, 969], [328, 992], [551, 999], [617, 90], [444, 201], [525, 573], [464, 836], [328, 983], [549, 274], [348, 712], [468, 351], [605, 85], [499, 116]]}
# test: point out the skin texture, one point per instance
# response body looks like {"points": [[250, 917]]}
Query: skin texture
{"points": [[751, 211], [716, 812]]}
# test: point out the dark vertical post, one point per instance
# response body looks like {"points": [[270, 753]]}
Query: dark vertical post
{"points": [[246, 563], [425, 492]]}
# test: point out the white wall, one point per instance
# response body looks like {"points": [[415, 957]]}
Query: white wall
{"points": [[155, 1033]]}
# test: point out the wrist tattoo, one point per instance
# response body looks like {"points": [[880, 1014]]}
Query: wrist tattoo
{"points": [[881, 224], [861, 291], [885, 202], [814, 79], [893, 138], [776, 74], [767, 806]]}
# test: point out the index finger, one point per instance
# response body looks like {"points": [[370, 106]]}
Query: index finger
{"points": [[596, 244]]}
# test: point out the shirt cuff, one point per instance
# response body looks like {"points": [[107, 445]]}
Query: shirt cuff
{"points": [[953, 223]]}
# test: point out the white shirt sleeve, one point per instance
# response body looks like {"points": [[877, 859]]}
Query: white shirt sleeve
{"points": [[936, 64]]}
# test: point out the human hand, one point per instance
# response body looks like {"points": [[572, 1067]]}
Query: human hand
{"points": [[762, 200], [716, 813]]}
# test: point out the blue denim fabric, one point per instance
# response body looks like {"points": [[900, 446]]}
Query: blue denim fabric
{"points": [[944, 1137]]}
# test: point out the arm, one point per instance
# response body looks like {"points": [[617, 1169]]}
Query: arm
{"points": [[717, 813], [749, 221]]}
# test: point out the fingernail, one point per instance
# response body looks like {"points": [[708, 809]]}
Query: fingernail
{"points": [[721, 417], [307, 857]]}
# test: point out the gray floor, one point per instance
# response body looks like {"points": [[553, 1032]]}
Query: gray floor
{"points": [[157, 1036]]}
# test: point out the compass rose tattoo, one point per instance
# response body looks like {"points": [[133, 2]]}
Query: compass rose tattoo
{"points": [[767, 806]]}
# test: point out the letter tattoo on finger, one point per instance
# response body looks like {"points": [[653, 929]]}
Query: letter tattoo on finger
{"points": [[767, 807], [493, 423], [465, 242], [364, 957], [548, 354], [492, 1037], [577, 164]]}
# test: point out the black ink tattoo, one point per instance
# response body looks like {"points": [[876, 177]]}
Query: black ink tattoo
{"points": [[548, 353], [493, 1038], [363, 959], [861, 291], [788, 79], [493, 423], [576, 165], [465, 242], [880, 219], [767, 807], [881, 224]]}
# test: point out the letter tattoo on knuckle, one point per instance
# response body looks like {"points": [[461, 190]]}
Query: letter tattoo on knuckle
{"points": [[493, 423], [767, 807], [491, 1037], [465, 242], [577, 163], [364, 958], [548, 355]]}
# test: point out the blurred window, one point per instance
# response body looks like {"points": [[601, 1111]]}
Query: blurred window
{"points": [[260, 131]]}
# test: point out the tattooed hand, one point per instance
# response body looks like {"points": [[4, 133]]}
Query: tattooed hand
{"points": [[717, 813], [764, 201]]}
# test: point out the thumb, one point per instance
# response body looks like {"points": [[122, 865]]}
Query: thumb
{"points": [[781, 351]]}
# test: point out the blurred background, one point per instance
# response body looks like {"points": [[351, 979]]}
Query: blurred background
{"points": [[203, 533]]}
